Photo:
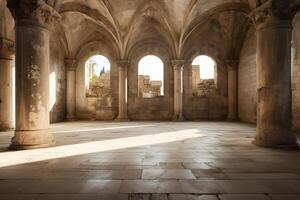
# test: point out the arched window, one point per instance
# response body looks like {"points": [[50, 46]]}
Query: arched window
{"points": [[203, 75], [150, 77], [97, 76]]}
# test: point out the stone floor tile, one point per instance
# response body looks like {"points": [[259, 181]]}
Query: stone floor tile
{"points": [[159, 197], [64, 197], [244, 187], [244, 197], [257, 176], [223, 160], [156, 174], [192, 197], [284, 197], [209, 174], [150, 186], [200, 187], [139, 197], [101, 186]]}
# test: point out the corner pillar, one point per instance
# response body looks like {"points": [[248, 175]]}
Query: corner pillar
{"points": [[232, 66], [178, 90], [122, 67], [71, 88], [33, 19], [6, 84]]}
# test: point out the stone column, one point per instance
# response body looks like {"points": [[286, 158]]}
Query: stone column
{"points": [[71, 88], [122, 66], [274, 30], [33, 18], [6, 84], [178, 109], [232, 66]]}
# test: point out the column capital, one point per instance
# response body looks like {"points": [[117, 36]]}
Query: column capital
{"points": [[178, 64], [70, 64], [7, 49], [32, 12], [124, 64], [274, 13], [231, 64]]}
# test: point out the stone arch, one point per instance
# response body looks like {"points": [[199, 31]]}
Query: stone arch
{"points": [[160, 108], [90, 108]]}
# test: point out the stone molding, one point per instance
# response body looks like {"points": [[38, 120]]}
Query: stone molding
{"points": [[32, 12], [231, 64], [7, 49], [178, 64], [123, 64], [70, 64], [273, 11]]}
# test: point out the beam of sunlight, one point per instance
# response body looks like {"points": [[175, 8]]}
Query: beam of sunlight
{"points": [[101, 129], [52, 89], [36, 155]]}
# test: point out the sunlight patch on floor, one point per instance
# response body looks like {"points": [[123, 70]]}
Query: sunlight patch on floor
{"points": [[37, 155], [101, 129]]}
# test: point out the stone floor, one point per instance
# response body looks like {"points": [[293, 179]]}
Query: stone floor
{"points": [[149, 161]]}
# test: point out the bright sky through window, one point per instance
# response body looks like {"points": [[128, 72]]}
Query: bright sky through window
{"points": [[102, 62], [207, 67], [153, 67]]}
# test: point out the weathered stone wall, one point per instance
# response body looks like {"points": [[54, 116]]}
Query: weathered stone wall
{"points": [[210, 39], [296, 74], [247, 98], [57, 70], [157, 108], [213, 105], [92, 107]]}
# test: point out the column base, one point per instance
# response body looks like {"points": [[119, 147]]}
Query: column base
{"points": [[122, 119], [24, 140], [286, 141], [231, 119], [71, 118], [178, 119], [6, 127]]}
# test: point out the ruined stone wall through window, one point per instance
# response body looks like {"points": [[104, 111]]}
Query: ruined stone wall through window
{"points": [[150, 77], [204, 76], [97, 76]]}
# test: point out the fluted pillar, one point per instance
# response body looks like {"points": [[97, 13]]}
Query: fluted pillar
{"points": [[274, 31], [33, 18], [178, 90], [70, 65], [6, 84], [232, 66], [122, 67]]}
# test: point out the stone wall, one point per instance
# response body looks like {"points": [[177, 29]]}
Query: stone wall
{"points": [[209, 106], [296, 75], [247, 99], [102, 107], [209, 40], [57, 70], [157, 108]]}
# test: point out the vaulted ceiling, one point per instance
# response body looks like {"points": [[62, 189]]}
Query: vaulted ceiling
{"points": [[126, 23]]}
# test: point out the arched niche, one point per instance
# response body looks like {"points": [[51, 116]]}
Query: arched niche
{"points": [[160, 107], [103, 103]]}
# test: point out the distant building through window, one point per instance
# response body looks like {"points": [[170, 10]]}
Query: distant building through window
{"points": [[97, 76], [150, 77], [203, 75]]}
